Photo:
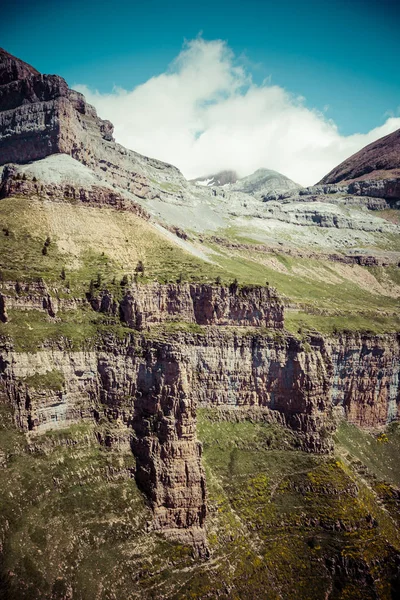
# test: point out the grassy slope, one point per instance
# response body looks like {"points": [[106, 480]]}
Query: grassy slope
{"points": [[77, 522], [89, 242]]}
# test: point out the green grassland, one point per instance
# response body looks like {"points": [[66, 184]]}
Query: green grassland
{"points": [[84, 244], [73, 522]]}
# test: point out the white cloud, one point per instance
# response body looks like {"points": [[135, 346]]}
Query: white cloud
{"points": [[205, 114]]}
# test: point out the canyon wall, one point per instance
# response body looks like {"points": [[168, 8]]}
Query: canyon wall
{"points": [[366, 377], [154, 303], [148, 389]]}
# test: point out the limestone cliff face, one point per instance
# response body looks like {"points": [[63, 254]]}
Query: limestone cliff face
{"points": [[366, 380], [40, 116], [202, 304], [149, 389], [33, 296]]}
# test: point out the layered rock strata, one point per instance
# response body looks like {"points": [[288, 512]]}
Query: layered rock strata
{"points": [[13, 184], [150, 389], [201, 304], [145, 305], [366, 380], [40, 116]]}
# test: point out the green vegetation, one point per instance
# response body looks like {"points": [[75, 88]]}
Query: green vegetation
{"points": [[277, 516], [50, 380], [105, 247], [274, 518], [75, 329], [376, 454], [345, 322]]}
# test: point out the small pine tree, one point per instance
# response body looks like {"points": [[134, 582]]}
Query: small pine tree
{"points": [[140, 267], [18, 287], [68, 285], [47, 242], [124, 280], [62, 275], [91, 288], [218, 280], [44, 250], [6, 231], [98, 280], [234, 286]]}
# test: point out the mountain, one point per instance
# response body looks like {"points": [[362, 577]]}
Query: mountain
{"points": [[379, 160], [221, 178], [261, 182], [199, 385], [265, 182]]}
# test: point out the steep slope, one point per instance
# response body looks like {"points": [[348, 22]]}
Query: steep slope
{"points": [[379, 160]]}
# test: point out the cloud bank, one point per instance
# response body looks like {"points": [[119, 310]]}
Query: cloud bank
{"points": [[205, 114]]}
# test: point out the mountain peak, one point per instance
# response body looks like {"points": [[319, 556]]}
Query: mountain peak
{"points": [[13, 69], [378, 160]]}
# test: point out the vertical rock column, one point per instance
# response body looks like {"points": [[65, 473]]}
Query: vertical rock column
{"points": [[168, 455]]}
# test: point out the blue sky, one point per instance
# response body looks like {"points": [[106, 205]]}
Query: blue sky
{"points": [[343, 54], [342, 57]]}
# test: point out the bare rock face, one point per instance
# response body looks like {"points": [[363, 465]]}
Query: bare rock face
{"points": [[202, 304], [41, 116], [367, 378], [168, 454], [379, 160]]}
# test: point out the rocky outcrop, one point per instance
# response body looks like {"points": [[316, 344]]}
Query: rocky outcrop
{"points": [[202, 304], [14, 184], [371, 194], [33, 296], [167, 452], [366, 379]]}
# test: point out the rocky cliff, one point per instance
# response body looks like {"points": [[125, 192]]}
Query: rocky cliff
{"points": [[40, 116], [149, 387]]}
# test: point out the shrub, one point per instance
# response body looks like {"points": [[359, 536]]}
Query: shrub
{"points": [[140, 267]]}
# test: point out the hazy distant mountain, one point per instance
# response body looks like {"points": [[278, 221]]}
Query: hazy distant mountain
{"points": [[264, 181], [221, 178], [261, 182]]}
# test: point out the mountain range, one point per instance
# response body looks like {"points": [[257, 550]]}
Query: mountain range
{"points": [[199, 380]]}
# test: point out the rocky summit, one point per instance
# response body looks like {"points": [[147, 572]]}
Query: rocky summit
{"points": [[199, 381]]}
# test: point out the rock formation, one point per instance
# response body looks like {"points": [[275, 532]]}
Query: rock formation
{"points": [[40, 116]]}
